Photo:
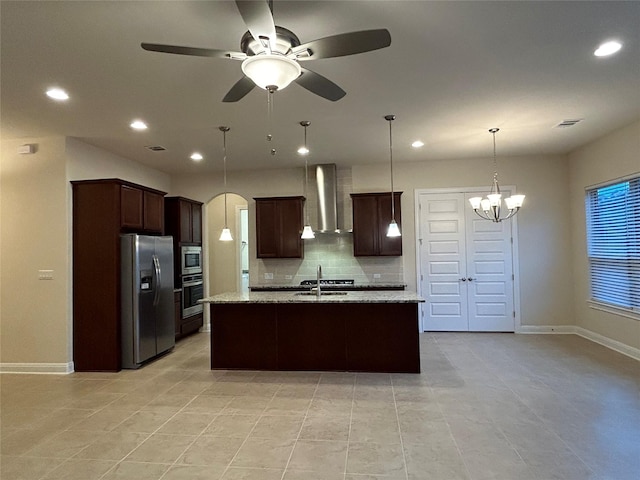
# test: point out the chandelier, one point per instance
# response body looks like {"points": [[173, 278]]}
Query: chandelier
{"points": [[489, 208]]}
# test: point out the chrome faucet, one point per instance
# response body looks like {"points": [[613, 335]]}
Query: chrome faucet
{"points": [[318, 277]]}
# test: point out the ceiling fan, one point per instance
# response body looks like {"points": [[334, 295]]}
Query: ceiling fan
{"points": [[271, 55]]}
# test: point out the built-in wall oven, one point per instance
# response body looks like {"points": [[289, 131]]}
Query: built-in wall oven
{"points": [[191, 260], [192, 291]]}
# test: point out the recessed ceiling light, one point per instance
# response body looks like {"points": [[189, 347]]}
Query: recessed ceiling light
{"points": [[607, 48], [57, 94], [417, 144], [138, 125], [303, 150], [196, 157]]}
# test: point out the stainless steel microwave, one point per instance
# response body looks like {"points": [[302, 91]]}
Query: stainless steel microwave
{"points": [[191, 260]]}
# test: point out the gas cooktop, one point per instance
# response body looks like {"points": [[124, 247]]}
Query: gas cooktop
{"points": [[326, 282]]}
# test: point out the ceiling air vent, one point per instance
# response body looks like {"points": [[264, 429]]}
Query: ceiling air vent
{"points": [[155, 148], [568, 123]]}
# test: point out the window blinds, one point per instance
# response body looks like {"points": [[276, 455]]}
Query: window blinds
{"points": [[613, 243]]}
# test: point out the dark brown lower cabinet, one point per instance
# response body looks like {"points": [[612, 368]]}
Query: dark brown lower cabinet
{"points": [[361, 337], [243, 336], [190, 324]]}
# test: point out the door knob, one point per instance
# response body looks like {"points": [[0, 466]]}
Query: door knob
{"points": [[470, 279], [463, 279]]}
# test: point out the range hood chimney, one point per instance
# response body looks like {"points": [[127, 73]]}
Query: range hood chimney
{"points": [[327, 184]]}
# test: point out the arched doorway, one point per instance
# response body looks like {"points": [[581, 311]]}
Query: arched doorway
{"points": [[226, 268]]}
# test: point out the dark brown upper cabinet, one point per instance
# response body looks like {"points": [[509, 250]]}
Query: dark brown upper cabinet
{"points": [[142, 210], [183, 220], [278, 227], [371, 218]]}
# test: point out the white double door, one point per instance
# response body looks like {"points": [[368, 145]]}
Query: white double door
{"points": [[466, 267]]}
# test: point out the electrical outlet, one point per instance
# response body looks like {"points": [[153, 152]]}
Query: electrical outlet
{"points": [[288, 277], [45, 274], [268, 276], [376, 275]]}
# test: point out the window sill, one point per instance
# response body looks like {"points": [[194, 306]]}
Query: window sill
{"points": [[604, 307]]}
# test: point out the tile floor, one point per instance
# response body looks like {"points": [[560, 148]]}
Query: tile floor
{"points": [[486, 406]]}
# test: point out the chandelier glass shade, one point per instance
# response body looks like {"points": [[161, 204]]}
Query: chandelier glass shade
{"points": [[225, 236], [270, 71], [307, 231], [490, 208], [393, 230]]}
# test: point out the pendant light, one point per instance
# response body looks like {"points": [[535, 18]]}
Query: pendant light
{"points": [[225, 236], [489, 208], [307, 231], [393, 230]]}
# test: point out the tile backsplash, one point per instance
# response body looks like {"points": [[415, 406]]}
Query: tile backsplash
{"points": [[335, 253]]}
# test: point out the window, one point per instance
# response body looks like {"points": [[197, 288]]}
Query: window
{"points": [[613, 243]]}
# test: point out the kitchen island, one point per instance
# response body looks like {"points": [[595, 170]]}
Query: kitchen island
{"points": [[363, 331]]}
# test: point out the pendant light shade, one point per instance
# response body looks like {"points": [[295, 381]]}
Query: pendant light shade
{"points": [[393, 230], [489, 208], [307, 231], [225, 236]]}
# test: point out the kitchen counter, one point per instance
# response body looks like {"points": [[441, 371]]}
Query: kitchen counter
{"points": [[327, 297], [361, 331], [302, 288]]}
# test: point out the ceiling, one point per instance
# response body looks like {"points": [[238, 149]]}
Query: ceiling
{"points": [[454, 69]]}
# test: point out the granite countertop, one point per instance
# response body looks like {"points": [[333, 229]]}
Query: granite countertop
{"points": [[295, 297], [329, 287]]}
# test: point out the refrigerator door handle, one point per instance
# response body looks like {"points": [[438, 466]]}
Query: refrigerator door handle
{"points": [[158, 283]]}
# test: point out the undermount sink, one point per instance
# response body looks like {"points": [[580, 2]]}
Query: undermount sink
{"points": [[322, 294]]}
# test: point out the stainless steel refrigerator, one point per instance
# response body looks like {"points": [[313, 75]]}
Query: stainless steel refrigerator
{"points": [[148, 324]]}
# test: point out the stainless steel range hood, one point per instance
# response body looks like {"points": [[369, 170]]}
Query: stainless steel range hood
{"points": [[327, 185]]}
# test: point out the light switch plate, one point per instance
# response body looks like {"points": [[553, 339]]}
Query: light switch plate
{"points": [[268, 276], [45, 274]]}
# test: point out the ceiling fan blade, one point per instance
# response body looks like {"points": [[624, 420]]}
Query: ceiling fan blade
{"points": [[259, 20], [345, 44], [239, 90], [198, 52], [316, 83]]}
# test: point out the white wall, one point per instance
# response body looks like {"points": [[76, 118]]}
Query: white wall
{"points": [[613, 156], [36, 224], [34, 314]]}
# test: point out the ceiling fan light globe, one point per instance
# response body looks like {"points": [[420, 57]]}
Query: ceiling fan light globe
{"points": [[268, 71]]}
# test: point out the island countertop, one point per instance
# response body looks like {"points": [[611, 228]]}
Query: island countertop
{"points": [[327, 297]]}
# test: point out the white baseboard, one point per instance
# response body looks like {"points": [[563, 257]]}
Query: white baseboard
{"points": [[557, 329], [609, 343], [37, 368], [583, 332]]}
